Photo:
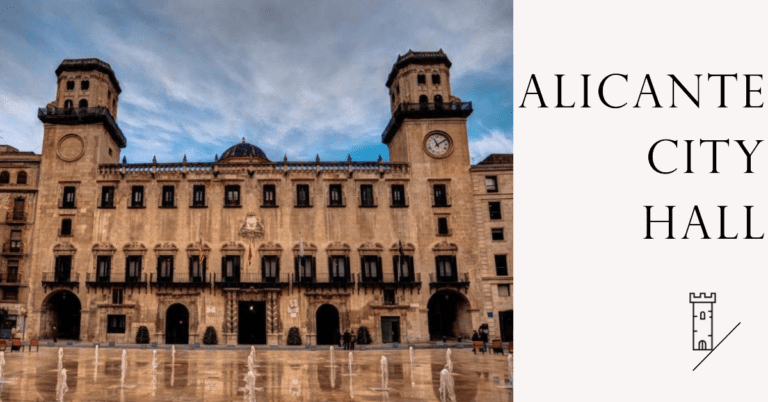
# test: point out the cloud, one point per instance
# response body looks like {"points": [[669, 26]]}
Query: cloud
{"points": [[494, 142]]}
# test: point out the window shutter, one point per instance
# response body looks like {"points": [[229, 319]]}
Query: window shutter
{"points": [[277, 268], [454, 271], [312, 267], [170, 274], [362, 267], [330, 269], [396, 266], [378, 267], [223, 267], [409, 260], [346, 267], [296, 267]]}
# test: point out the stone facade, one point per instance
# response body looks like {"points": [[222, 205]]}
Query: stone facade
{"points": [[397, 247]]}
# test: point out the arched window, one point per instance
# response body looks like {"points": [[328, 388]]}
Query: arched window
{"points": [[438, 101], [423, 102], [67, 104], [83, 103], [702, 345], [5, 177], [702, 316], [421, 79], [21, 178]]}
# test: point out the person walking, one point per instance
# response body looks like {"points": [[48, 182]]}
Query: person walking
{"points": [[484, 336], [352, 340], [475, 338], [346, 339], [55, 334]]}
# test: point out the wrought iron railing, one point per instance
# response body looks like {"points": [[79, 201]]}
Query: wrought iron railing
{"points": [[11, 278], [61, 277], [13, 247], [83, 115], [248, 167], [441, 281], [423, 110]]}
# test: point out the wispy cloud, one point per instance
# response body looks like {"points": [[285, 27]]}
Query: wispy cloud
{"points": [[493, 142]]}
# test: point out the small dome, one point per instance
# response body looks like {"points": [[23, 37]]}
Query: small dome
{"points": [[244, 149]]}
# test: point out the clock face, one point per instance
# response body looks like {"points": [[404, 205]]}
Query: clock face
{"points": [[438, 145]]}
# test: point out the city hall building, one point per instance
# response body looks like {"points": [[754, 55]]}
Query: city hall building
{"points": [[415, 249]]}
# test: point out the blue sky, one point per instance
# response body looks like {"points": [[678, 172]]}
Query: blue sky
{"points": [[293, 78]]}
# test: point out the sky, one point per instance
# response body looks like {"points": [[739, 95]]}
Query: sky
{"points": [[297, 79]]}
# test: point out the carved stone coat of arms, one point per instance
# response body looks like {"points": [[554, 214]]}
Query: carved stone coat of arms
{"points": [[251, 228]]}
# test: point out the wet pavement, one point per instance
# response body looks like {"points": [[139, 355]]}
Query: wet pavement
{"points": [[281, 375]]}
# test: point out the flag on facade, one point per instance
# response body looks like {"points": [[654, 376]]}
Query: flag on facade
{"points": [[402, 256], [201, 256], [250, 254], [301, 248]]}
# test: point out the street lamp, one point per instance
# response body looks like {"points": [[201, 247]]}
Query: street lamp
{"points": [[23, 312]]}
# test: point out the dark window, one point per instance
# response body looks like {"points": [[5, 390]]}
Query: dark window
{"points": [[168, 196], [21, 178], [83, 103], [137, 196], [503, 290], [66, 227], [165, 268], [389, 297], [421, 79], [269, 195], [84, 85], [270, 268], [305, 268], [334, 192], [230, 268], [442, 227], [198, 197], [12, 272], [18, 209], [441, 199], [107, 197], [366, 195], [302, 195], [232, 196], [70, 85], [133, 269], [423, 102], [490, 184], [338, 267], [103, 268], [398, 195], [196, 271], [501, 265], [63, 268], [392, 97], [446, 268], [116, 324], [371, 267], [110, 151], [403, 268], [69, 198], [495, 209], [15, 241], [436, 79], [11, 294], [117, 296], [497, 234], [438, 101], [68, 104], [397, 89], [5, 177]]}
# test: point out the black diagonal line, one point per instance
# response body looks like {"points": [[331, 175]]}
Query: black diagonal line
{"points": [[713, 349]]}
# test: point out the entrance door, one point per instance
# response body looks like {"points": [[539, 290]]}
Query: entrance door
{"points": [[390, 329], [177, 325], [327, 319], [63, 308], [505, 318], [252, 323]]}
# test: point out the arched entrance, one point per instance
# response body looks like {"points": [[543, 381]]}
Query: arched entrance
{"points": [[448, 315], [327, 319], [177, 324], [61, 309]]}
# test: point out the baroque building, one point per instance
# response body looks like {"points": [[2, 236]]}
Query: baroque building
{"points": [[409, 248]]}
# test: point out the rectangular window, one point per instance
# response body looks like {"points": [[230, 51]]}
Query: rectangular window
{"points": [[339, 268], [305, 268], [12, 272], [117, 296], [168, 197], [436, 79], [398, 195], [196, 272], [441, 199], [371, 266], [230, 268], [366, 195], [84, 85], [421, 79], [232, 196], [442, 227], [334, 193], [497, 234], [446, 268], [107, 197], [501, 265], [403, 268], [503, 290], [137, 197], [11, 294], [302, 195], [198, 196], [63, 268], [270, 268], [69, 197], [66, 227], [14, 246], [133, 269], [103, 268], [389, 297], [490, 184], [70, 85], [116, 324], [165, 268], [494, 208], [269, 196]]}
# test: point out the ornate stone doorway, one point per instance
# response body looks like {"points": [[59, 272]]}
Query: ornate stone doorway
{"points": [[177, 325], [327, 319], [252, 328], [265, 314], [61, 309]]}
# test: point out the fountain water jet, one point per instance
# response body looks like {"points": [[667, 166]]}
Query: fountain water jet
{"points": [[61, 356], [154, 370], [250, 362], [448, 362], [61, 386], [2, 363], [350, 363], [96, 364], [123, 367], [250, 387], [410, 352], [331, 351], [446, 387], [384, 374]]}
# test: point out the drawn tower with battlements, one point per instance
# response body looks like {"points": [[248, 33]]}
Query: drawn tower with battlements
{"points": [[703, 320]]}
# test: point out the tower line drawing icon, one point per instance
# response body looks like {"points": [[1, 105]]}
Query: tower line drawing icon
{"points": [[703, 320]]}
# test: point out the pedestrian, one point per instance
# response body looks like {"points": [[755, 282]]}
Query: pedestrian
{"points": [[352, 340], [475, 338], [55, 334], [337, 337], [346, 339], [484, 336]]}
